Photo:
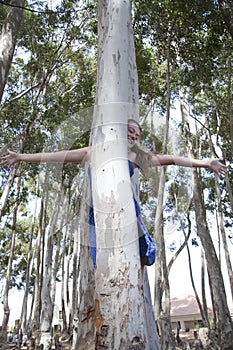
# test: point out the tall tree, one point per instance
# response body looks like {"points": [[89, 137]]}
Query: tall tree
{"points": [[113, 315], [161, 271], [47, 302], [24, 313], [8, 39], [224, 329], [3, 335]]}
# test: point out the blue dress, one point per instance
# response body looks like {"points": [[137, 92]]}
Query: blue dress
{"points": [[146, 243]]}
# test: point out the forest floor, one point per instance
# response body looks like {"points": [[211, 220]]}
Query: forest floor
{"points": [[188, 341]]}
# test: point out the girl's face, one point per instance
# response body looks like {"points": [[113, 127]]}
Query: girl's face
{"points": [[133, 134]]}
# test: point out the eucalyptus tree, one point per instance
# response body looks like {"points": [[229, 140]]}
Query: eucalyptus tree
{"points": [[224, 330], [220, 215], [43, 95], [47, 299], [112, 312], [8, 37], [9, 267], [161, 38], [29, 274], [198, 40]]}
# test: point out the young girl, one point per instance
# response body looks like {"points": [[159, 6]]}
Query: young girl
{"points": [[139, 158], [136, 159]]}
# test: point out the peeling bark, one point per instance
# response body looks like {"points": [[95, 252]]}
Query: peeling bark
{"points": [[112, 312]]}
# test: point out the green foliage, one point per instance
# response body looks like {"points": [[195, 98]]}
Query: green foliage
{"points": [[3, 12], [195, 36], [20, 254]]}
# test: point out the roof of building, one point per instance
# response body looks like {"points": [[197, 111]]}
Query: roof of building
{"points": [[184, 305]]}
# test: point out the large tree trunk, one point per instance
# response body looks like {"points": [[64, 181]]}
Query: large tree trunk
{"points": [[8, 38], [119, 315], [83, 300], [112, 313], [224, 324]]}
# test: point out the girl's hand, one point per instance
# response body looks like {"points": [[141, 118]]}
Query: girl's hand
{"points": [[217, 166], [10, 159]]}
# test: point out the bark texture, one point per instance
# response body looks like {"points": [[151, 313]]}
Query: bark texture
{"points": [[112, 312], [8, 39]]}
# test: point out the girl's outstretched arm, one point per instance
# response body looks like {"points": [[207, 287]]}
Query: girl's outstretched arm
{"points": [[73, 156], [213, 164]]}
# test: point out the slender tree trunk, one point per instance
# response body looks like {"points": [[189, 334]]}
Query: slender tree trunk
{"points": [[8, 38], [59, 234], [202, 309], [75, 283], [221, 218], [6, 308], [35, 322], [47, 287], [229, 97], [23, 317], [162, 315], [76, 226], [6, 190], [63, 304], [60, 258], [83, 301], [224, 324], [205, 314], [66, 300], [67, 290]]}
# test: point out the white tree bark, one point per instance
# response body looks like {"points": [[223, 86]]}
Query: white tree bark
{"points": [[119, 318], [3, 334], [6, 190], [161, 271], [8, 38], [117, 312], [47, 287], [24, 312]]}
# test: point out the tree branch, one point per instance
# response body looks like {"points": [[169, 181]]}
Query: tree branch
{"points": [[24, 8]]}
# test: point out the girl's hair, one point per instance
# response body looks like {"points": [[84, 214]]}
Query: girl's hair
{"points": [[143, 158], [135, 122]]}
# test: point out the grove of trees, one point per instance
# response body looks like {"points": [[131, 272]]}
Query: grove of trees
{"points": [[67, 67]]}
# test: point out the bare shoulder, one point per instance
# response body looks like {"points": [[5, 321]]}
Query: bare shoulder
{"points": [[132, 157]]}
